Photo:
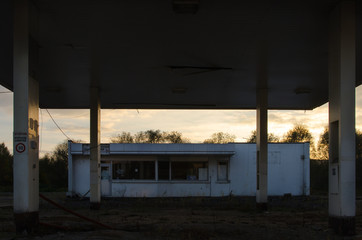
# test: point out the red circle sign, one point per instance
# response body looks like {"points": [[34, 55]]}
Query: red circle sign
{"points": [[20, 147]]}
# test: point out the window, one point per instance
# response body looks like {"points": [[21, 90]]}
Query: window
{"points": [[163, 170], [222, 171], [169, 168], [182, 170], [142, 170]]}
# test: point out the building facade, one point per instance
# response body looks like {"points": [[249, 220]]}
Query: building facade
{"points": [[183, 170]]}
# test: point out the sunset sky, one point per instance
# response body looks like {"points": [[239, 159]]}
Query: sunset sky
{"points": [[196, 125]]}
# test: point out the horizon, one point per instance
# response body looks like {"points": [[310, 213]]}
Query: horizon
{"points": [[196, 125]]}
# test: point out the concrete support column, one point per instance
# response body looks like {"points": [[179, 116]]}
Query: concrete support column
{"points": [[262, 149], [26, 122], [342, 77], [306, 170], [95, 149], [70, 170]]}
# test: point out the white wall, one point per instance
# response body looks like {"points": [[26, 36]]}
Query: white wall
{"points": [[81, 174], [288, 169], [165, 189], [288, 172], [243, 170]]}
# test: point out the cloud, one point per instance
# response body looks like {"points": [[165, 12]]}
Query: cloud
{"points": [[185, 121], [82, 114], [6, 101], [6, 117], [280, 121]]}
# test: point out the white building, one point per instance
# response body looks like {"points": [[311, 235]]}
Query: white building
{"points": [[182, 170]]}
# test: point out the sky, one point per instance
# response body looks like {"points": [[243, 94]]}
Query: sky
{"points": [[196, 125]]}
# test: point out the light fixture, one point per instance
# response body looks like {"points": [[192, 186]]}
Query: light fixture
{"points": [[185, 6], [53, 89], [302, 90], [179, 90]]}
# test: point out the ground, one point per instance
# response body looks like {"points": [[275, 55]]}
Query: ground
{"points": [[180, 218]]}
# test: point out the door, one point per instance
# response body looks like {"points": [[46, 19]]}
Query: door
{"points": [[106, 179]]}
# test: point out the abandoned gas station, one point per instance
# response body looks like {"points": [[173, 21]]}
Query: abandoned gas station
{"points": [[180, 54], [189, 170]]}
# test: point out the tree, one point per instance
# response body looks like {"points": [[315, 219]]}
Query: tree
{"points": [[359, 145], [154, 136], [271, 137], [60, 153], [299, 133], [6, 168], [140, 137], [221, 137], [175, 137], [53, 168], [124, 137], [358, 160], [322, 151], [149, 136]]}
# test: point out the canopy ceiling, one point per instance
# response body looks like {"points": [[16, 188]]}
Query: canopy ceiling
{"points": [[153, 54]]}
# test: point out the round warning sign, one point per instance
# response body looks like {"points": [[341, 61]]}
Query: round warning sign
{"points": [[20, 147]]}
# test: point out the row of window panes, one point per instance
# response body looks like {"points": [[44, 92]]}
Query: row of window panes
{"points": [[134, 170], [167, 170]]}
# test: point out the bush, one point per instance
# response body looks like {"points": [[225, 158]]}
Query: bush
{"points": [[6, 169]]}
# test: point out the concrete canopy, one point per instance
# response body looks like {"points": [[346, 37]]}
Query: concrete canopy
{"points": [[145, 55]]}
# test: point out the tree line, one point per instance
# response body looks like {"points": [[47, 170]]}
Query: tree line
{"points": [[158, 136], [299, 133], [150, 136]]}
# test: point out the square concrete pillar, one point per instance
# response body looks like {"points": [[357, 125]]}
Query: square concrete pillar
{"points": [[26, 125], [342, 80], [95, 149], [262, 149]]}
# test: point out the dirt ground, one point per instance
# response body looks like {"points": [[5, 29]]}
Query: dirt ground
{"points": [[181, 218]]}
